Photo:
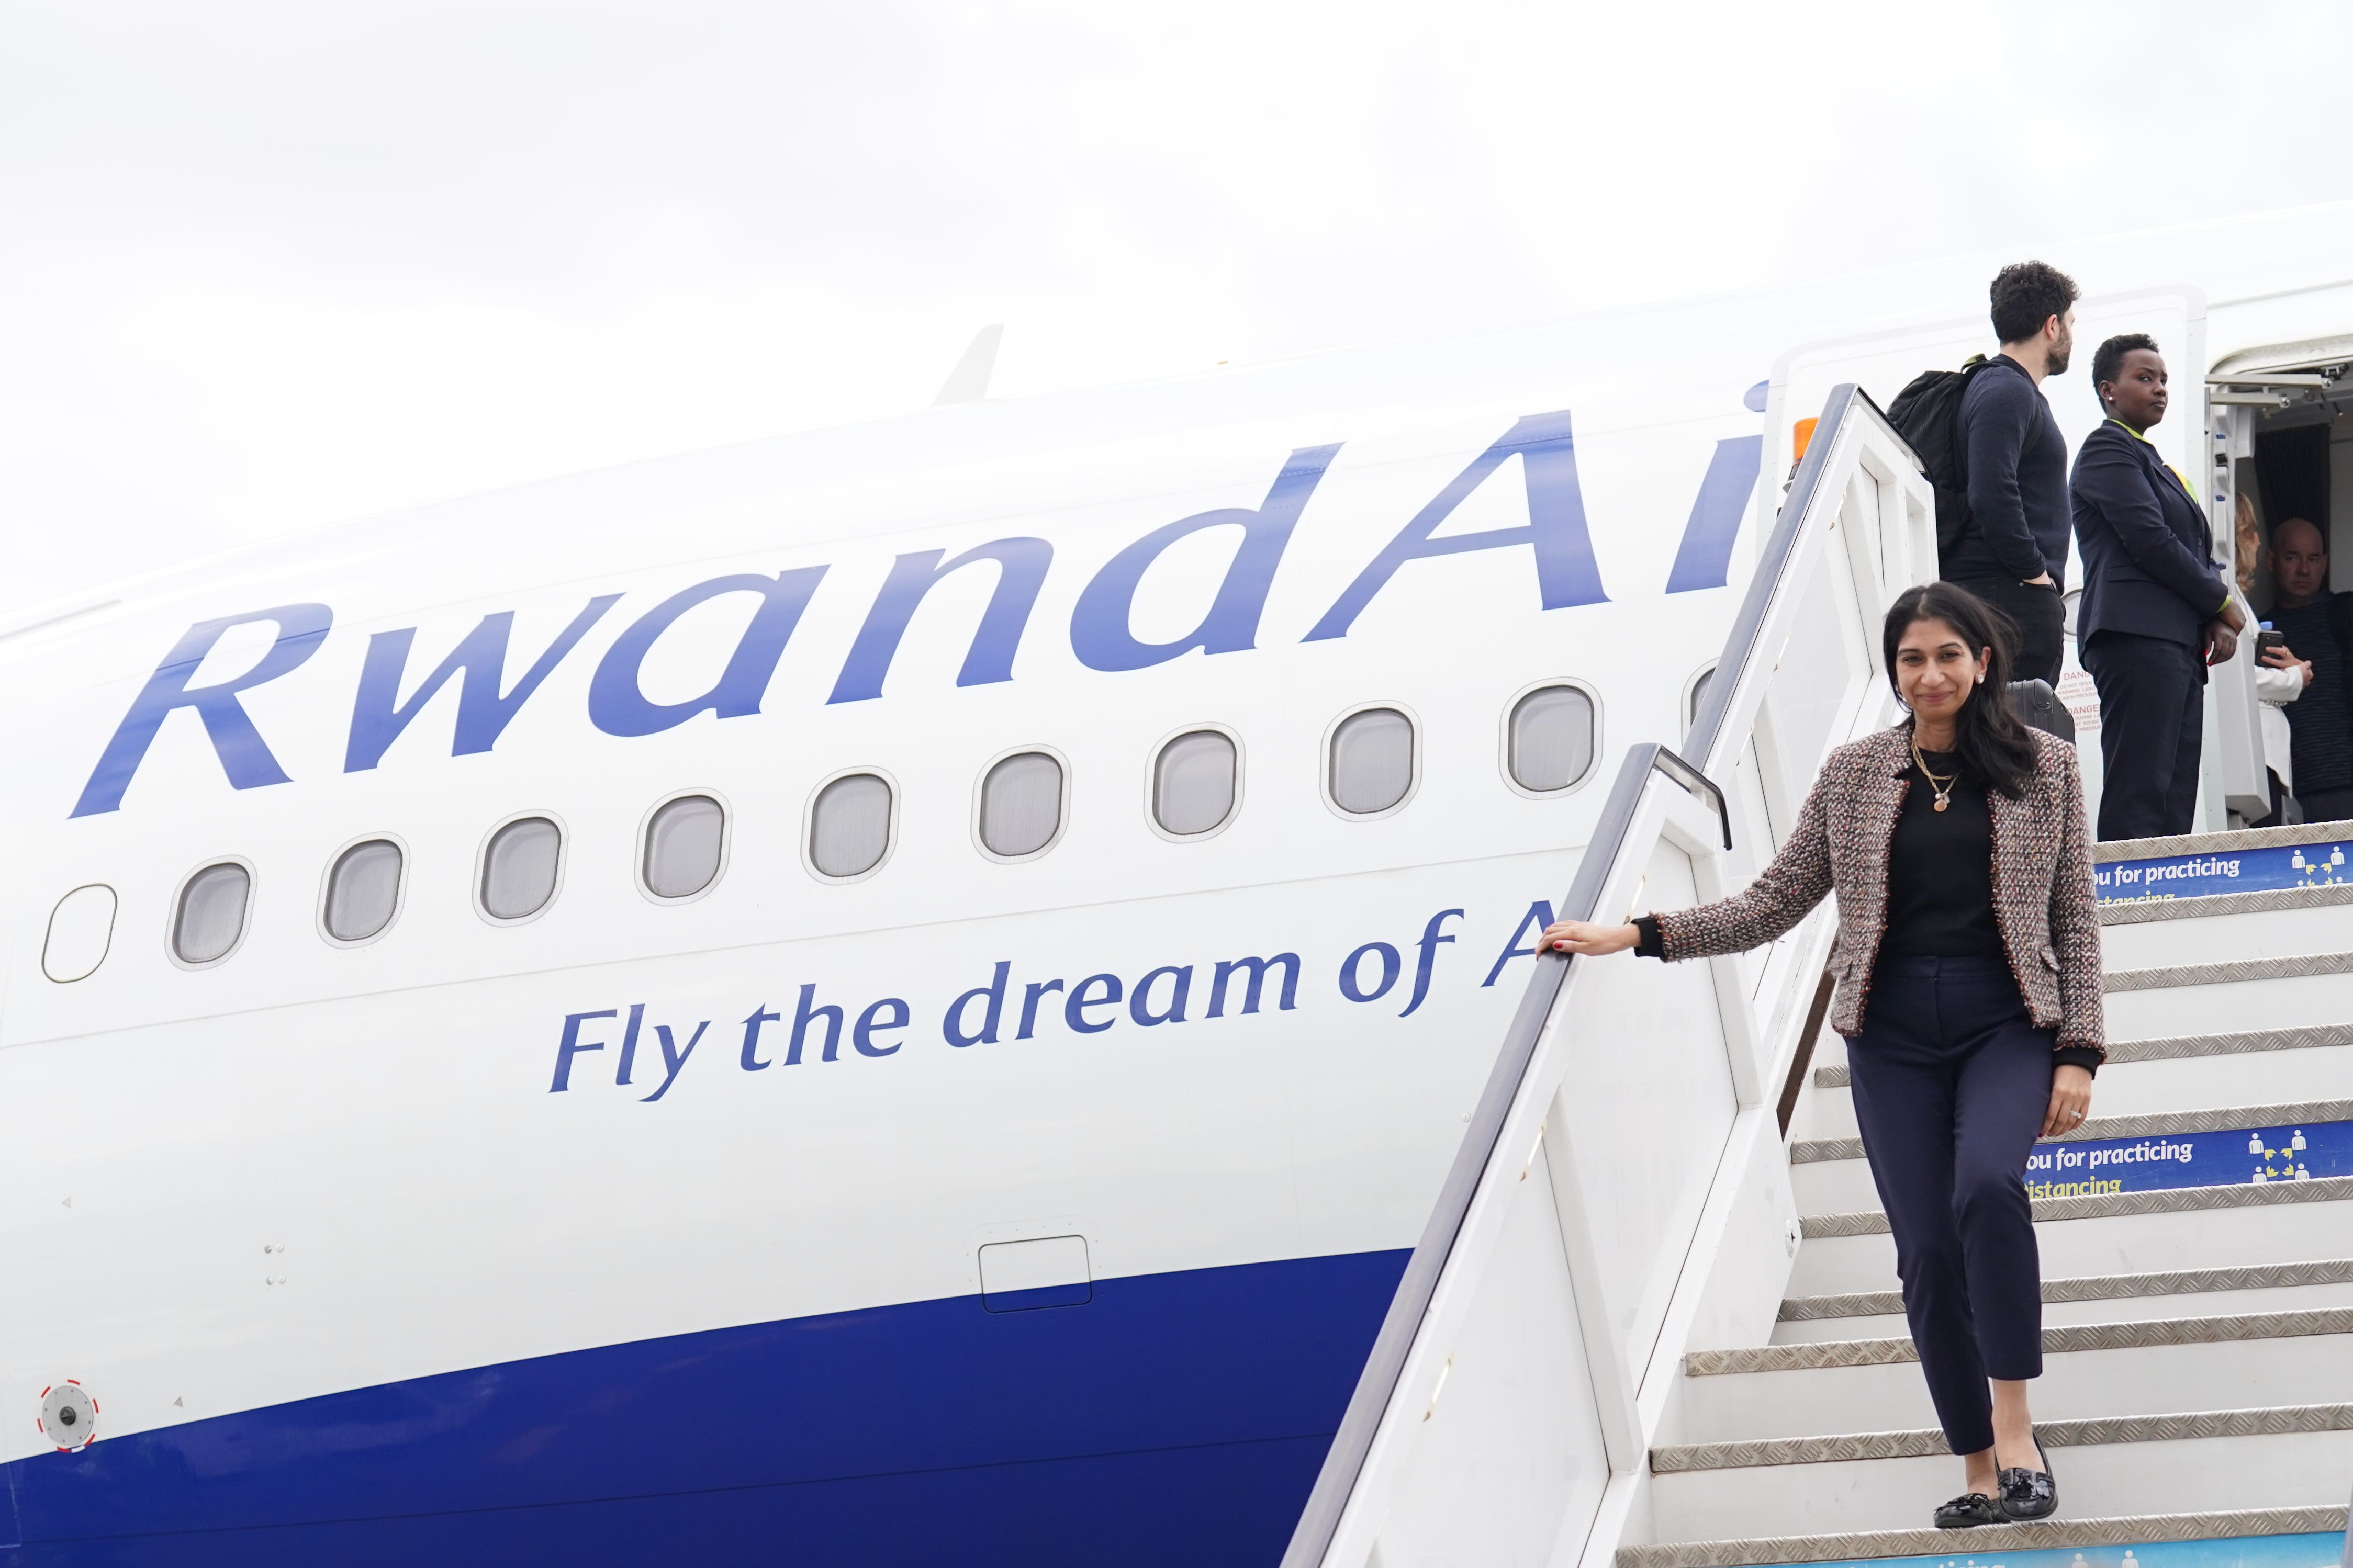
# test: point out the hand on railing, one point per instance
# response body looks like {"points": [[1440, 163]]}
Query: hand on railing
{"points": [[1589, 938]]}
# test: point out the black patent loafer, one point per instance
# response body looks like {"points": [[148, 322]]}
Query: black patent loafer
{"points": [[1969, 1510], [2030, 1494]]}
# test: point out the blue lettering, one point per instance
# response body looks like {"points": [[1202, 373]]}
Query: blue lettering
{"points": [[617, 704], [673, 1059], [1257, 967], [750, 1059], [571, 1046], [1703, 560], [630, 1042], [1031, 994], [1566, 572], [1430, 941], [1390, 964], [243, 755], [1074, 1011], [1100, 631], [1539, 916], [887, 1013], [1020, 571], [378, 718], [803, 1016], [1180, 985], [952, 1024]]}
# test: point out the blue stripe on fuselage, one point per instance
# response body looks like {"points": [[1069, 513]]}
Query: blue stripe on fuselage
{"points": [[1176, 1418]]}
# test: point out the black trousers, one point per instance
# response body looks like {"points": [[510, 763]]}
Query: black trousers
{"points": [[2152, 726], [1951, 1082], [2038, 617]]}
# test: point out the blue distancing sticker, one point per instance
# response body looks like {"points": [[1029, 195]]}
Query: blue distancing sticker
{"points": [[2321, 1550], [2097, 1165], [2232, 871]]}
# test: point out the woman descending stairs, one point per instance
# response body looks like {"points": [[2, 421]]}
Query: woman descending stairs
{"points": [[2196, 1246]]}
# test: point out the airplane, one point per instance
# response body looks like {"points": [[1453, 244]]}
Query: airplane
{"points": [[899, 992]]}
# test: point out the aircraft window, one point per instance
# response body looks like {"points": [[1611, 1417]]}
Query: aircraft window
{"points": [[1022, 804], [683, 844], [849, 826], [211, 916], [519, 868], [1371, 760], [1193, 782], [363, 891], [80, 929], [1551, 738]]}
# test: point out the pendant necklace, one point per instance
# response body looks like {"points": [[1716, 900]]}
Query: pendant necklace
{"points": [[1944, 786]]}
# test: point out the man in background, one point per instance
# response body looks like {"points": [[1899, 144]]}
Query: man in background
{"points": [[2012, 552], [2316, 624]]}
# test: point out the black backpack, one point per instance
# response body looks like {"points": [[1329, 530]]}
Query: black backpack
{"points": [[1927, 414]]}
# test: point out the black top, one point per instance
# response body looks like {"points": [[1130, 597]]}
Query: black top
{"points": [[2146, 548], [1940, 882], [1940, 870], [2321, 724], [2015, 461]]}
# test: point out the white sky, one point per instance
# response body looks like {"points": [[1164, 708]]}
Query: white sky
{"points": [[264, 266]]}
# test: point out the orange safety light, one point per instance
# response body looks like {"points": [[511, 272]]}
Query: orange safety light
{"points": [[1801, 435]]}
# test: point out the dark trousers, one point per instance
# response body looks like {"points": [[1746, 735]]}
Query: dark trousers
{"points": [[2038, 617], [2152, 725], [1951, 1083], [2326, 805]]}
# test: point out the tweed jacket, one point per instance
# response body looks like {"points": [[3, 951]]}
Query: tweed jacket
{"points": [[2042, 899]]}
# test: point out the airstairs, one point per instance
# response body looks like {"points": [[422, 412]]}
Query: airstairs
{"points": [[1653, 1319]]}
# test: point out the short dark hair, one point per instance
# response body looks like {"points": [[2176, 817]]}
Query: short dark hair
{"points": [[2108, 359], [2025, 295]]}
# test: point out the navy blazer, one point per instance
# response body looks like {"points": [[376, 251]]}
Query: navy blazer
{"points": [[2147, 552]]}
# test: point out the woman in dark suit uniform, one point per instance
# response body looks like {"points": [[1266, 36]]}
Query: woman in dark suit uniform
{"points": [[1967, 963], [2156, 609]]}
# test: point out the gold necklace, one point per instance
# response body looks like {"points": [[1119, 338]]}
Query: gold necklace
{"points": [[1944, 786]]}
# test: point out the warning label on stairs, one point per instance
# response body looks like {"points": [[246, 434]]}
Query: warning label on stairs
{"points": [[2231, 872], [2097, 1165]]}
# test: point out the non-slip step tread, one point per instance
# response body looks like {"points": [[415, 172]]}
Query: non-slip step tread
{"points": [[2107, 852], [2130, 1530], [2136, 1333], [2106, 1205], [2096, 1287], [2148, 1124], [1747, 1452], [2229, 971], [2176, 1047], [2220, 906]]}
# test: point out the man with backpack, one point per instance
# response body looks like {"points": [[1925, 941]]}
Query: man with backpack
{"points": [[2000, 464]]}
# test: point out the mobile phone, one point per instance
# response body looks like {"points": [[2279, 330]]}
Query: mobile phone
{"points": [[2266, 641]]}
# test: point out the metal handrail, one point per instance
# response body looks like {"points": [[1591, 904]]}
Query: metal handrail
{"points": [[1352, 1444], [1715, 702]]}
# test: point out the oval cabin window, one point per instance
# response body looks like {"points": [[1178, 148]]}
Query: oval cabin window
{"points": [[519, 868], [849, 826], [363, 891], [81, 928], [1022, 804], [1193, 783], [683, 844], [211, 915], [1371, 760], [1551, 738]]}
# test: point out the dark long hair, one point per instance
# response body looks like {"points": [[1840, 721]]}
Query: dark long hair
{"points": [[1993, 748]]}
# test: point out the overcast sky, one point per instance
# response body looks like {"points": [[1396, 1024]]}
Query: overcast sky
{"points": [[266, 265]]}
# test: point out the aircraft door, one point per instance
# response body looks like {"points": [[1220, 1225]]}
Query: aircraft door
{"points": [[1883, 362]]}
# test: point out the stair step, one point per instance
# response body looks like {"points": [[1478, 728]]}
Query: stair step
{"points": [[2176, 1047], [2098, 1129], [2130, 1530], [2100, 1370], [2219, 1005], [2204, 929], [2099, 1287], [2098, 1299], [2231, 972], [2117, 1233], [2271, 1457]]}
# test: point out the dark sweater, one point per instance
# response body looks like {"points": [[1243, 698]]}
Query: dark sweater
{"points": [[2015, 460], [2319, 722], [1939, 884]]}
